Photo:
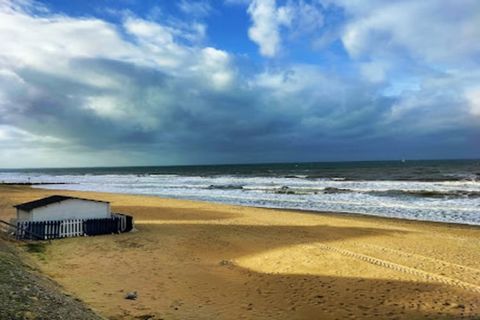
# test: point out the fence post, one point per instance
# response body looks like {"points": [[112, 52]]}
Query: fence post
{"points": [[19, 233]]}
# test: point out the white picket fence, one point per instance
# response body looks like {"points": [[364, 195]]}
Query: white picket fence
{"points": [[71, 228], [35, 230], [58, 229]]}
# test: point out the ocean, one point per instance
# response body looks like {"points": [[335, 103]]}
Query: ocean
{"points": [[444, 191]]}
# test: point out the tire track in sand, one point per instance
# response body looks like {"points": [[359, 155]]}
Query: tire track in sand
{"points": [[437, 262], [401, 268]]}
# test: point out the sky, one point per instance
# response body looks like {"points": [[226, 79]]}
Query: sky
{"points": [[157, 82]]}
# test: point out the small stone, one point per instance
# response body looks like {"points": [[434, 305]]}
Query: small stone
{"points": [[225, 263], [131, 295]]}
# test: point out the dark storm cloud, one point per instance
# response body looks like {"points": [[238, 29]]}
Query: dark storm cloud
{"points": [[193, 117], [197, 120]]}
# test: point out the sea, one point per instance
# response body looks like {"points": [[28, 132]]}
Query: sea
{"points": [[440, 190]]}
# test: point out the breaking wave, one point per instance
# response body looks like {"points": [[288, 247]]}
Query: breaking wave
{"points": [[440, 193]]}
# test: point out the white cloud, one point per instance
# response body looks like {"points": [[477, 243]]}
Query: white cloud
{"points": [[46, 48], [424, 53], [307, 18], [22, 5], [430, 31], [297, 19], [473, 98], [13, 136], [266, 22], [198, 8], [440, 103], [374, 71], [11, 85], [215, 64], [159, 46]]}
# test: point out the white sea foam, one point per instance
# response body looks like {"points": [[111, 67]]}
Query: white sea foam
{"points": [[306, 194]]}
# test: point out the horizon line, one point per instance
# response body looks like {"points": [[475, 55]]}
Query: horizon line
{"points": [[239, 164]]}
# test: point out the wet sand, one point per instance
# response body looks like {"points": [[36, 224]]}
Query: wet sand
{"points": [[197, 260]]}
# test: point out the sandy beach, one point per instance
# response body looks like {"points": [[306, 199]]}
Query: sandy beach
{"points": [[198, 260]]}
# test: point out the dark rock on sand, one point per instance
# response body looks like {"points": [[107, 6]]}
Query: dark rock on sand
{"points": [[131, 295]]}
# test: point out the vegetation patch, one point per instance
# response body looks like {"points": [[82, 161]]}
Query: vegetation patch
{"points": [[36, 247]]}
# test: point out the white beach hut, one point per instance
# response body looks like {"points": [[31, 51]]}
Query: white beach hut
{"points": [[57, 207], [57, 217]]}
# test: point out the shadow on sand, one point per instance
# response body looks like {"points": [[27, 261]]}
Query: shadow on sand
{"points": [[252, 294], [173, 213]]}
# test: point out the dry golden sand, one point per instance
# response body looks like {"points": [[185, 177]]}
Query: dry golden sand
{"points": [[193, 260]]}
